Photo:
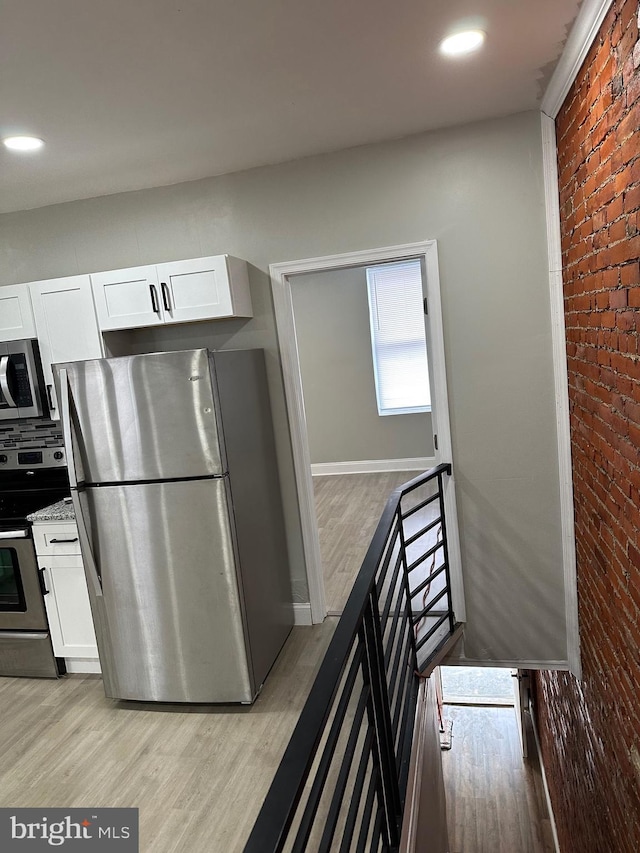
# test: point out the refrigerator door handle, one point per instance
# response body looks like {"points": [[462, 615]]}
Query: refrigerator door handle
{"points": [[85, 544]]}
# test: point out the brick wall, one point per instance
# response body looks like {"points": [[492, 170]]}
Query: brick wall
{"points": [[590, 731]]}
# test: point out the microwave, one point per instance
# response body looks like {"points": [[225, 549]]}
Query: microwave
{"points": [[22, 391]]}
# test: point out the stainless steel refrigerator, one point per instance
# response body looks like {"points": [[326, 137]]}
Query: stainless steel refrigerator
{"points": [[176, 493]]}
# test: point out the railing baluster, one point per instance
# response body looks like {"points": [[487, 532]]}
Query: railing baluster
{"points": [[354, 805], [383, 731], [343, 777], [365, 826], [309, 814], [403, 549]]}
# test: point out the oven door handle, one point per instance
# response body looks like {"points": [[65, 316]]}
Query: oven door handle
{"points": [[85, 543], [4, 382], [14, 534], [43, 583]]}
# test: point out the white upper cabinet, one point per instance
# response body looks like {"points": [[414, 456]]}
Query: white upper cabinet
{"points": [[179, 292], [16, 314], [66, 325], [127, 299]]}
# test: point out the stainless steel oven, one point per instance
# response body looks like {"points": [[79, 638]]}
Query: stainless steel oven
{"points": [[29, 480], [22, 389], [25, 645]]}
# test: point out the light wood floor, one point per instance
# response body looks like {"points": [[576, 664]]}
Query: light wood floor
{"points": [[495, 799], [197, 777], [348, 507]]}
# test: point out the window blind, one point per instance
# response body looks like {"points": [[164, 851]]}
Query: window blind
{"points": [[398, 339]]}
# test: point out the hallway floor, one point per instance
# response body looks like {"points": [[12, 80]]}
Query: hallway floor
{"points": [[495, 798], [349, 507], [198, 775]]}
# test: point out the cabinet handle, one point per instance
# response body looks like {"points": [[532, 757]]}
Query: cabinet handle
{"points": [[43, 585], [154, 299], [64, 540], [52, 405], [166, 298]]}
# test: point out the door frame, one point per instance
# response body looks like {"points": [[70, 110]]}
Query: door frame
{"points": [[427, 252]]}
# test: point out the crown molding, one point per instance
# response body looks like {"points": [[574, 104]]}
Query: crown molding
{"points": [[583, 32]]}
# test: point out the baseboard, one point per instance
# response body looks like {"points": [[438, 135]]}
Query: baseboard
{"points": [[372, 466], [82, 665], [543, 773], [302, 614]]}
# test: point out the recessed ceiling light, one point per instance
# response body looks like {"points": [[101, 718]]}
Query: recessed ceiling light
{"points": [[23, 143], [461, 43]]}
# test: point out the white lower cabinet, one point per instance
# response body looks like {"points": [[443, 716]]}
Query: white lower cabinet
{"points": [[67, 600]]}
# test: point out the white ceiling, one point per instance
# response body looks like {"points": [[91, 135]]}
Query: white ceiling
{"points": [[138, 93]]}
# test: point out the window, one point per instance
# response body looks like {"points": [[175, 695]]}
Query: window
{"points": [[398, 338]]}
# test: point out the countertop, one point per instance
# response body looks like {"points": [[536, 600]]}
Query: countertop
{"points": [[60, 511]]}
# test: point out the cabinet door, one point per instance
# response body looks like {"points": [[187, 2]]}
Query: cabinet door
{"points": [[127, 299], [16, 314], [204, 289], [68, 607], [66, 325]]}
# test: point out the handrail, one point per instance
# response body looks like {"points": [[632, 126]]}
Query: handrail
{"points": [[343, 775]]}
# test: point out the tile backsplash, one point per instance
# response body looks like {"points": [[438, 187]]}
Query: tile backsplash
{"points": [[31, 432]]}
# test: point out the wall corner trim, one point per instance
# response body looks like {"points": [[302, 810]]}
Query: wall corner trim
{"points": [[583, 32], [561, 383]]}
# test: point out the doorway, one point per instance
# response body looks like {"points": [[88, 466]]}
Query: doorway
{"points": [[477, 685], [485, 686], [366, 402], [282, 276]]}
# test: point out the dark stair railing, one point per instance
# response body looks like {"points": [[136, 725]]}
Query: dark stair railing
{"points": [[342, 782]]}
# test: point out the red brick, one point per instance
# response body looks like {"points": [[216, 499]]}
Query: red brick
{"points": [[626, 320], [632, 197], [588, 728], [618, 299], [618, 230]]}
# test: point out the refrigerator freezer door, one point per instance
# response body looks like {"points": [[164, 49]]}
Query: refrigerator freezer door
{"points": [[146, 417], [170, 597]]}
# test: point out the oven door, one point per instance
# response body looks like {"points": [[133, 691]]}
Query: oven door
{"points": [[21, 602]]}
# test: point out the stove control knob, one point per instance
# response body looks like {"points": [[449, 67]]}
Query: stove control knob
{"points": [[3, 458], [58, 454]]}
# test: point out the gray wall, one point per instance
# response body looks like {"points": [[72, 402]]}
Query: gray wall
{"points": [[331, 312], [478, 191]]}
